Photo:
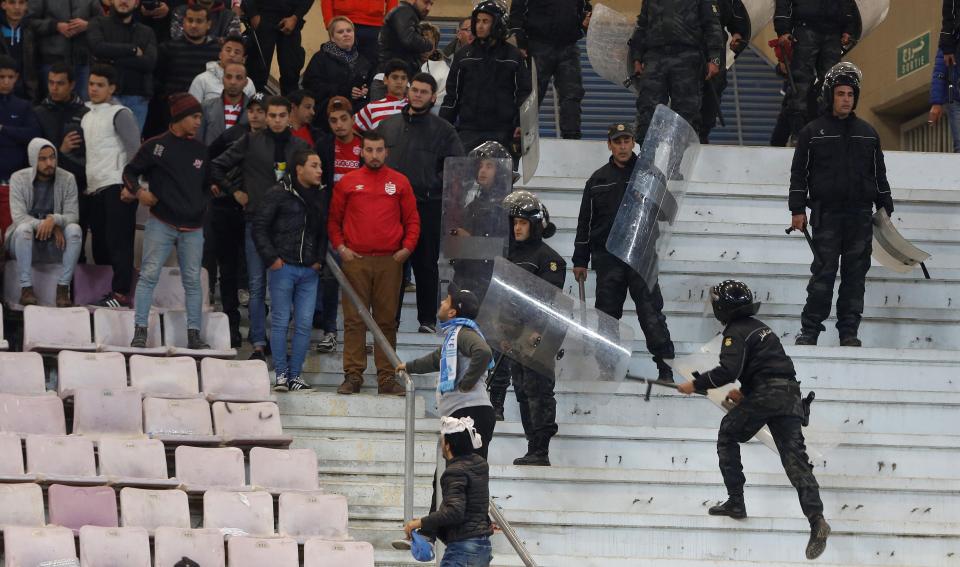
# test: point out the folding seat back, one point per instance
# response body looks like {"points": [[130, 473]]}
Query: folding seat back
{"points": [[77, 506], [169, 294], [249, 423], [210, 467], [28, 415], [21, 504], [45, 277], [108, 412], [164, 377], [113, 331], [55, 329], [21, 373], [94, 370], [151, 509], [313, 514], [319, 552], [235, 380], [215, 330], [278, 470], [11, 455], [114, 547], [33, 546], [65, 458], [124, 460], [256, 552], [170, 418], [238, 513], [204, 547]]}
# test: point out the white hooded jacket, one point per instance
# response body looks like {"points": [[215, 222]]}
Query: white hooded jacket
{"points": [[66, 207], [209, 84]]}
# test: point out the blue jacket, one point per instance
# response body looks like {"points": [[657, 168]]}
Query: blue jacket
{"points": [[18, 125], [938, 87]]}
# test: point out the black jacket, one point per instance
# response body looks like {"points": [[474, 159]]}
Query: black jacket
{"points": [[276, 9], [598, 208], [418, 145], [18, 125], [534, 256], [234, 177], [327, 151], [327, 76], [734, 18], [830, 16], [673, 24], [949, 26], [26, 54], [465, 485], [180, 61], [751, 353], [400, 38], [114, 42], [838, 164], [56, 121], [486, 86], [559, 22], [290, 224]]}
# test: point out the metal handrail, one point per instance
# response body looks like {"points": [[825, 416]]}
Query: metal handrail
{"points": [[511, 535], [410, 418]]}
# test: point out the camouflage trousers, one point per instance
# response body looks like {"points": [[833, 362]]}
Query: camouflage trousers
{"points": [[777, 405], [843, 240], [673, 77], [710, 108], [814, 53], [562, 64]]}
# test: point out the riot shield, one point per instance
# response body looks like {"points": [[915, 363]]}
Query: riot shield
{"points": [[891, 249], [870, 14], [530, 130], [538, 326], [474, 223], [607, 47], [761, 14], [642, 228]]}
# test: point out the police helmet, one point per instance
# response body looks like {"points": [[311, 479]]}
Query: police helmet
{"points": [[732, 299], [490, 150], [498, 10], [842, 74], [525, 205]]}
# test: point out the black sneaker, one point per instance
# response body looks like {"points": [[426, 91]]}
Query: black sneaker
{"points": [[257, 354], [734, 507], [296, 384], [280, 383], [819, 532], [328, 343], [114, 301], [139, 337], [427, 328], [194, 342]]}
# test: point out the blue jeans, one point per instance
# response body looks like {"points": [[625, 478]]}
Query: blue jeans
{"points": [[292, 289], [953, 116], [475, 552], [25, 248], [256, 272], [139, 105], [158, 240]]}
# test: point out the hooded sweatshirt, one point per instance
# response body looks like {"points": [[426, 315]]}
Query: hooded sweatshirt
{"points": [[209, 84], [66, 208]]}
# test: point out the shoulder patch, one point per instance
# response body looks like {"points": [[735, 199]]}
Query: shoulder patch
{"points": [[553, 266], [728, 341]]}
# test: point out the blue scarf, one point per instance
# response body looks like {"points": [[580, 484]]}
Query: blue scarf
{"points": [[448, 351]]}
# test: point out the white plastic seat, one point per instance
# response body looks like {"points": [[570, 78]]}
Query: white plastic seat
{"points": [[95, 370], [279, 470], [114, 547], [249, 424], [318, 552], [257, 552], [21, 504], [214, 329], [52, 329], [77, 506], [134, 462], [32, 546], [169, 294], [174, 377], [205, 547], [313, 514], [238, 513], [66, 459], [151, 509], [21, 372], [179, 421], [199, 468], [116, 412], [45, 277], [113, 331], [11, 459], [32, 415], [235, 380]]}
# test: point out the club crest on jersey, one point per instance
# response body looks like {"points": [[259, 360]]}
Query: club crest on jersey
{"points": [[390, 187]]}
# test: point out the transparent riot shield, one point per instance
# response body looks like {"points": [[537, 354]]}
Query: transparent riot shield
{"points": [[870, 14], [538, 326], [607, 47], [475, 225], [891, 249], [642, 228], [530, 130]]}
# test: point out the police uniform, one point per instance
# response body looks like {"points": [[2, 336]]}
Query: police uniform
{"points": [[735, 20], [674, 39]]}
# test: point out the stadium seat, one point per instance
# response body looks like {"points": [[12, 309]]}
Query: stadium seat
{"points": [[113, 331], [205, 547], [319, 552], [21, 504], [238, 513], [313, 514], [77, 506], [45, 277], [169, 295], [4, 344], [249, 424], [174, 377], [96, 370], [257, 552], [107, 412], [32, 546], [199, 468], [151, 509], [134, 462], [62, 458], [215, 330], [279, 470], [179, 421], [11, 459], [32, 415], [52, 329], [114, 547], [21, 373], [235, 381]]}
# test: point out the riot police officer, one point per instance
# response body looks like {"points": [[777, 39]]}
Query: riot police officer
{"points": [[734, 20], [769, 394]]}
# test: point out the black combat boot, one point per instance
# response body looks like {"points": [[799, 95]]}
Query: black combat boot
{"points": [[194, 342], [819, 531], [807, 338], [733, 507], [139, 337], [538, 454], [664, 371], [497, 398]]}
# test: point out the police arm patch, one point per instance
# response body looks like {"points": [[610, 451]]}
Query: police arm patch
{"points": [[728, 341], [553, 266]]}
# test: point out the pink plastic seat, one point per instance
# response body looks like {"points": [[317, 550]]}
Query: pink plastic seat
{"points": [[200, 468], [174, 377], [77, 506], [22, 373], [257, 552], [250, 424], [238, 513], [11, 459], [28, 415], [45, 277], [113, 331], [319, 552], [62, 458], [33, 546], [114, 547], [94, 370], [116, 412], [134, 462], [279, 470], [21, 504], [205, 547], [179, 421], [151, 509], [215, 330], [52, 329], [313, 514], [169, 294], [235, 380]]}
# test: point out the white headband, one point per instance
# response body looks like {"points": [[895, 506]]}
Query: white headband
{"points": [[450, 425]]}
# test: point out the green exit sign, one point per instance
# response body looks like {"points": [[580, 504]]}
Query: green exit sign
{"points": [[913, 55]]}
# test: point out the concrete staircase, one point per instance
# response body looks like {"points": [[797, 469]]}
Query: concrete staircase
{"points": [[631, 479]]}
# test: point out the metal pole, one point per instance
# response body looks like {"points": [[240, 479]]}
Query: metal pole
{"points": [[736, 103], [512, 536]]}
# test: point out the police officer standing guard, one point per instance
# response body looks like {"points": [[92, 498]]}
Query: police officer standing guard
{"points": [[735, 20], [839, 173], [598, 209]]}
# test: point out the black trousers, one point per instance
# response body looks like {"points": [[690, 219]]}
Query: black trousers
{"points": [[227, 232], [424, 261], [814, 53], [710, 105], [562, 64], [538, 406], [112, 225], [266, 39], [367, 39]]}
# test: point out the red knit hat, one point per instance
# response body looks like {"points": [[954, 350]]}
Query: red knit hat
{"points": [[183, 105]]}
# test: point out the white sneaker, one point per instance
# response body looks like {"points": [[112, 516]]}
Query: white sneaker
{"points": [[280, 384]]}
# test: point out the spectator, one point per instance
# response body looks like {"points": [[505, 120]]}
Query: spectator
{"points": [[944, 95], [227, 110], [19, 40], [262, 158], [277, 25], [338, 68], [111, 138], [223, 22], [209, 84], [418, 143], [290, 233], [131, 47], [463, 38], [489, 80], [156, 15], [18, 123], [401, 38], [396, 82], [301, 116], [373, 254], [59, 115], [175, 166], [187, 55], [366, 15], [62, 29], [433, 62], [44, 209]]}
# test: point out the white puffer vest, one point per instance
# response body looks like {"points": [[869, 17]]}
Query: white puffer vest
{"points": [[106, 156]]}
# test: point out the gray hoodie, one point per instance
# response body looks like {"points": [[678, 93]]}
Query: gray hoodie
{"points": [[66, 208]]}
